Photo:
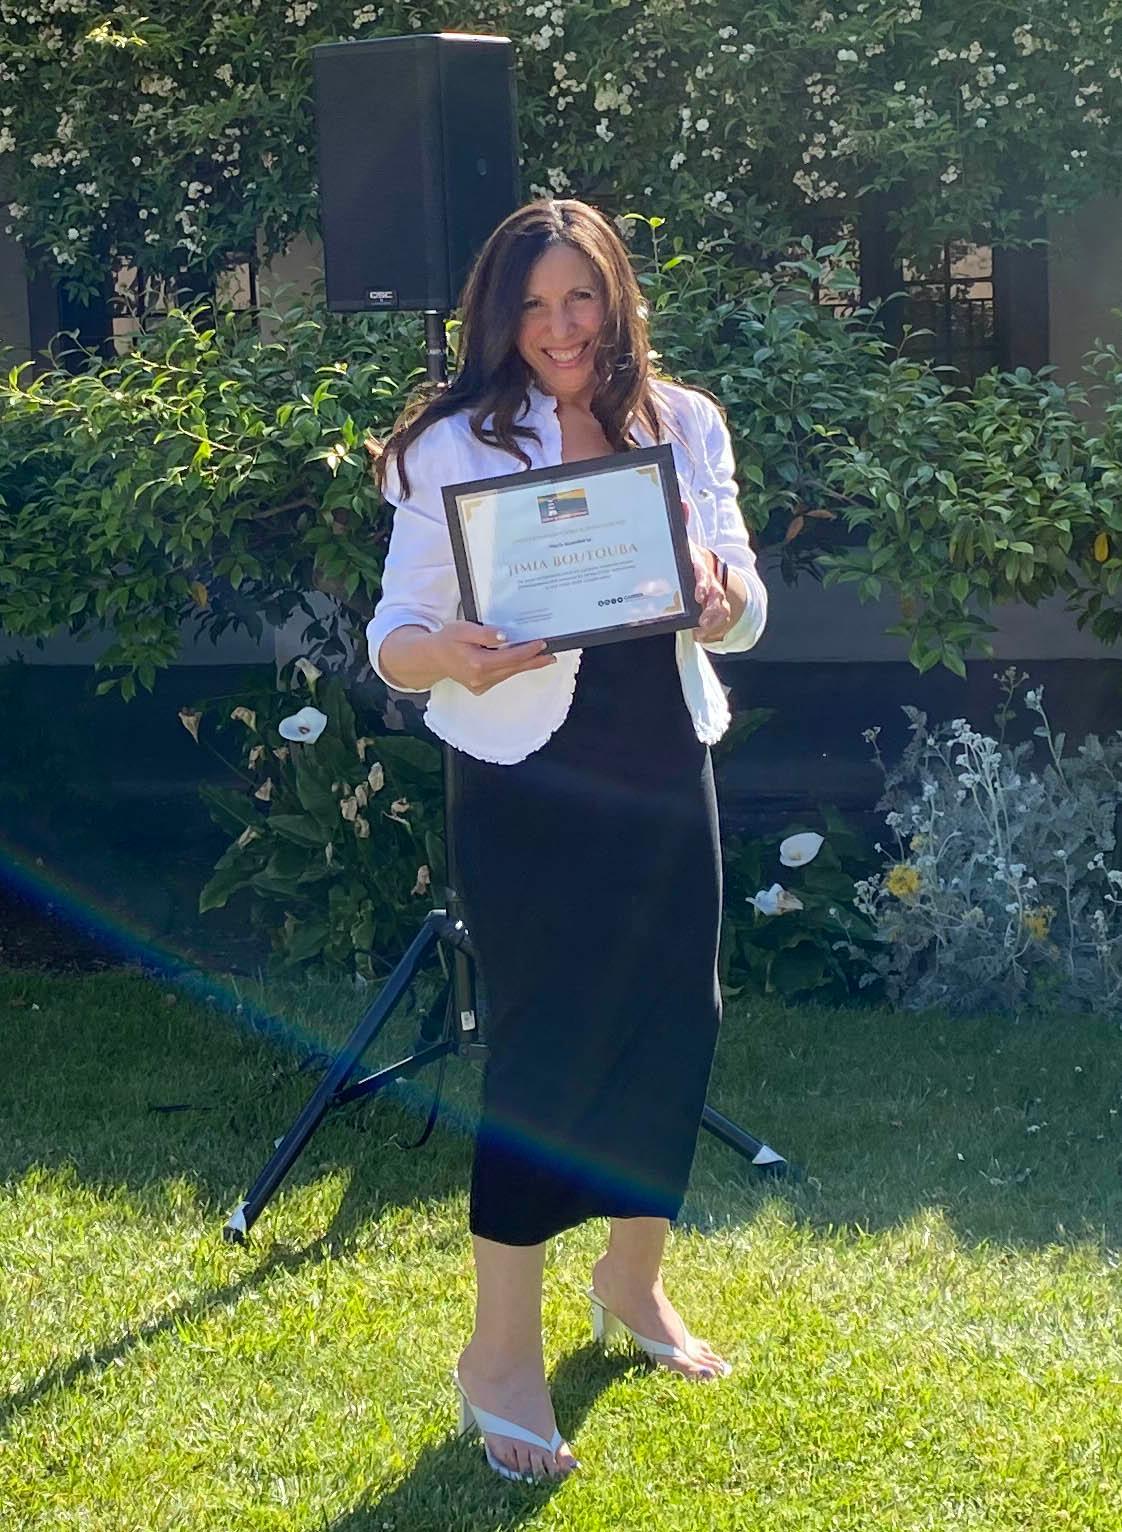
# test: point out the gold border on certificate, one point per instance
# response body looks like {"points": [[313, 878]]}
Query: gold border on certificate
{"points": [[583, 553]]}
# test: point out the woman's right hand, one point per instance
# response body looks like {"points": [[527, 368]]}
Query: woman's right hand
{"points": [[479, 657]]}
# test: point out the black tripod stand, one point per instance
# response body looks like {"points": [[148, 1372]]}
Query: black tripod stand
{"points": [[452, 1025]]}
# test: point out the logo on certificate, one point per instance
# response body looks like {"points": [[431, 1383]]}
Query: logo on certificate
{"points": [[561, 504]]}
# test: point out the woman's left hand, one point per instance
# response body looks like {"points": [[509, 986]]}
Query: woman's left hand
{"points": [[716, 613]]}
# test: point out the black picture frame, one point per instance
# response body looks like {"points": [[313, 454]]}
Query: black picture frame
{"points": [[660, 457]]}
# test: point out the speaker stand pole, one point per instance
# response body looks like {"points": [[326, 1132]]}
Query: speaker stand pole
{"points": [[455, 1013], [465, 1008]]}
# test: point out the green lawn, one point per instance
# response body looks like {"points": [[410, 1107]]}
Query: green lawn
{"points": [[926, 1332]]}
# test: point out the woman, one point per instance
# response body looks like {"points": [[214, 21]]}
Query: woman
{"points": [[587, 840]]}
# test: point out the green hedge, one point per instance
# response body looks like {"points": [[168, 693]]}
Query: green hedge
{"points": [[216, 476]]}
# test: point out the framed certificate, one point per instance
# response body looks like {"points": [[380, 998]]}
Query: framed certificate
{"points": [[584, 553]]}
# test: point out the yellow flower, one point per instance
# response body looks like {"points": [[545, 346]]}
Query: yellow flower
{"points": [[1038, 922], [903, 881], [917, 842]]}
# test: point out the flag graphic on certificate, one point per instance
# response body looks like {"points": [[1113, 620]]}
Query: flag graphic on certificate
{"points": [[563, 504], [583, 553]]}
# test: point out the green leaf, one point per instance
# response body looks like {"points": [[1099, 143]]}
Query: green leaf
{"points": [[404, 750], [306, 941], [226, 882], [233, 810], [301, 828]]}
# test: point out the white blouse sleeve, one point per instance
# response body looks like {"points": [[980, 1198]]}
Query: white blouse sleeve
{"points": [[419, 586], [724, 527]]}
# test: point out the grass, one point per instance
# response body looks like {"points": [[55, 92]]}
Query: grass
{"points": [[925, 1331]]}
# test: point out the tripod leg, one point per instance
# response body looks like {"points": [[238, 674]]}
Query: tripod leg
{"points": [[761, 1156], [288, 1150]]}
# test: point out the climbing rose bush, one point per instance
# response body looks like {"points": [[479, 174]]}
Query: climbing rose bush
{"points": [[181, 139]]}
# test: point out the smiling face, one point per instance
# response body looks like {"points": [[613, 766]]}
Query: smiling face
{"points": [[562, 316]]}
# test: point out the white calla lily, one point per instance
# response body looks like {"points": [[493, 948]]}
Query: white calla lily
{"points": [[310, 672], [305, 727], [775, 900], [797, 850]]}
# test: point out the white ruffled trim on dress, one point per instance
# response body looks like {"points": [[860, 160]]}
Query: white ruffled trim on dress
{"points": [[447, 730]]}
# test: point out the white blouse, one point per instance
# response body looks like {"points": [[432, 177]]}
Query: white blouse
{"points": [[419, 586]]}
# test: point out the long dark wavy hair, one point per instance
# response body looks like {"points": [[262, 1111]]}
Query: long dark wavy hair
{"points": [[492, 379]]}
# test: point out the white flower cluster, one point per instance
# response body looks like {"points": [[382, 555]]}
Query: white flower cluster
{"points": [[157, 85], [821, 92], [567, 86], [1025, 40], [553, 28], [612, 97], [7, 140], [365, 15], [814, 187], [298, 13], [54, 158]]}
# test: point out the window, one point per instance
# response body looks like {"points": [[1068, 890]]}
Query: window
{"points": [[954, 301], [984, 307], [137, 300]]}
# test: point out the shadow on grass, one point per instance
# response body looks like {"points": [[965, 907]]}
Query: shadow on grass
{"points": [[89, 1363], [441, 1491], [127, 1085], [1012, 1132], [358, 1208]]}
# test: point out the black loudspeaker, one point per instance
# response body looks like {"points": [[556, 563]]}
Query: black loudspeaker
{"points": [[418, 161]]}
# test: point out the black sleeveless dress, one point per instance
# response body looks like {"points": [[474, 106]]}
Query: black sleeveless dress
{"points": [[592, 884]]}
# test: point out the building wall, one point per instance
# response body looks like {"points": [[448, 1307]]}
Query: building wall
{"points": [[231, 649], [810, 623], [1085, 260], [299, 270], [15, 320]]}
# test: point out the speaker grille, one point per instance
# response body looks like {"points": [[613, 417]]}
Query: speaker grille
{"points": [[418, 163]]}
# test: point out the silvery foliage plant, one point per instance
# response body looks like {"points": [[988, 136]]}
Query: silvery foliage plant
{"points": [[1005, 893]]}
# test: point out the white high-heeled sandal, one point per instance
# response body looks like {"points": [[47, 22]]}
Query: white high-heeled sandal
{"points": [[473, 1418], [606, 1326]]}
